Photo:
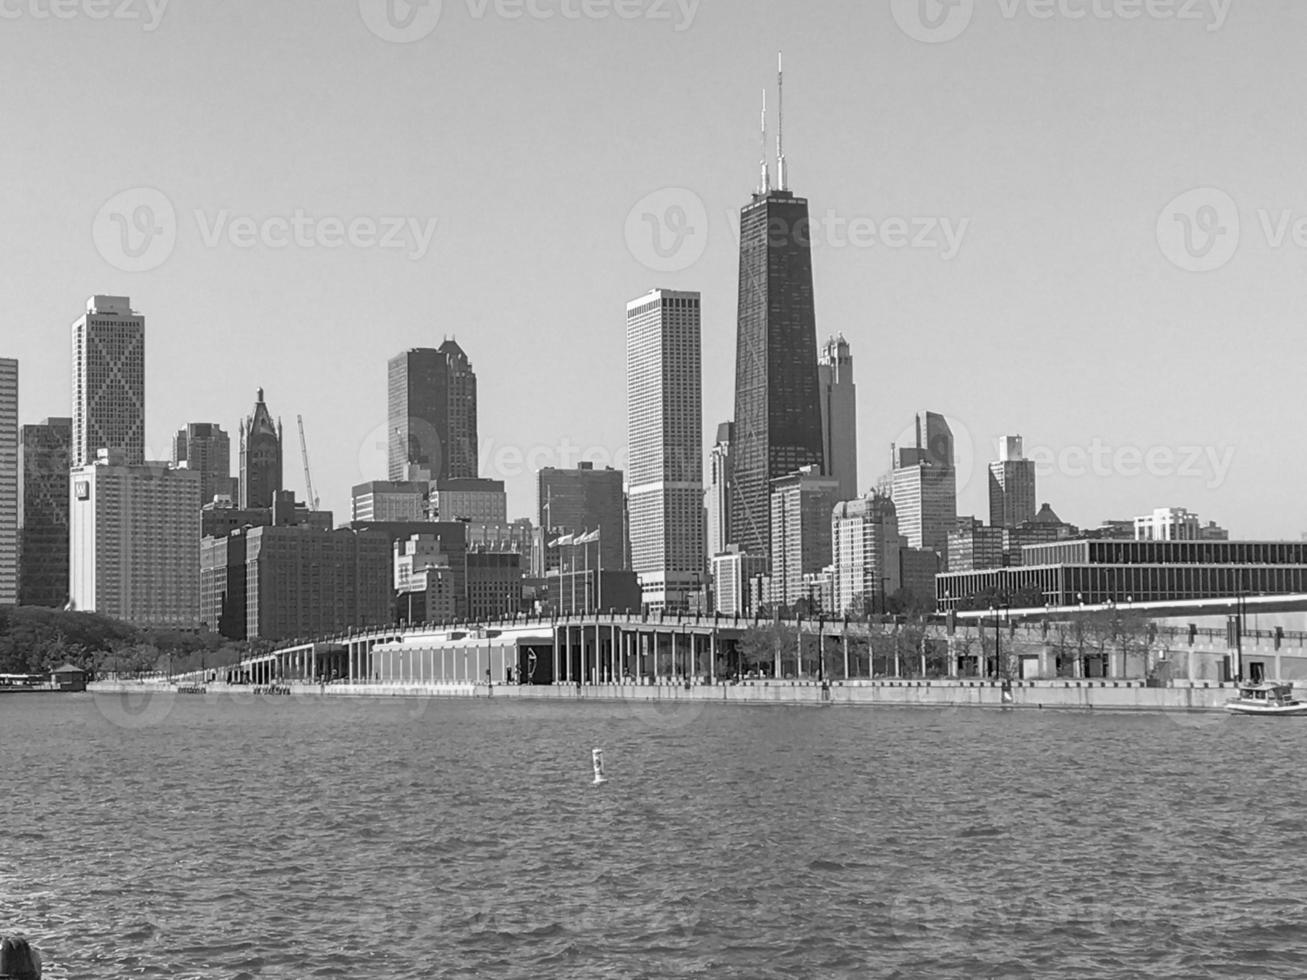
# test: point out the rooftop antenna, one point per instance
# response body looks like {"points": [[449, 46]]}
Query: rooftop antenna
{"points": [[765, 175], [780, 129]]}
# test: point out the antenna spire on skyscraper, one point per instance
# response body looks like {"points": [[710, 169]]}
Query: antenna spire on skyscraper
{"points": [[764, 177], [780, 129]]}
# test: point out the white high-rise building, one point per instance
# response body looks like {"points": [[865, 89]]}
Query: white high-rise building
{"points": [[866, 543], [665, 438], [801, 508], [1011, 485], [135, 542], [8, 482], [925, 486], [839, 414], [109, 381]]}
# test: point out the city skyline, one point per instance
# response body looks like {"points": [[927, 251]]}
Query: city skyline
{"points": [[904, 301]]}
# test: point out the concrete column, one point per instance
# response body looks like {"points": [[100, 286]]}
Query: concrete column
{"points": [[844, 642], [712, 656], [557, 675]]}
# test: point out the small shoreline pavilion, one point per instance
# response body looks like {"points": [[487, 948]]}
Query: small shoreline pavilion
{"points": [[1068, 574]]}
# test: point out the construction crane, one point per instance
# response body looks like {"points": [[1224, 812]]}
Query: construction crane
{"points": [[308, 478]]}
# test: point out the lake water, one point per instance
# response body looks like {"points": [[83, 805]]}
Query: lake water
{"points": [[208, 837]]}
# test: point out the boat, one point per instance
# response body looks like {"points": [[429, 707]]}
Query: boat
{"points": [[1266, 699]]}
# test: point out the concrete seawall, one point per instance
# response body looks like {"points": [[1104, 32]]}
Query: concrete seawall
{"points": [[1072, 695]]}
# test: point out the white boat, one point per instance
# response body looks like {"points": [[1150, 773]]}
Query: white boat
{"points": [[1266, 699]]}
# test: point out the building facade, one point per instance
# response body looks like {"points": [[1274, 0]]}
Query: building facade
{"points": [[261, 457], [205, 448], [134, 542], [839, 415], [664, 384], [387, 501], [583, 500], [973, 546], [469, 499], [109, 381], [1176, 524], [9, 550], [432, 409], [924, 486], [735, 575], [1012, 491], [304, 582], [721, 486], [778, 418], [802, 505], [1098, 572], [46, 456], [865, 543]]}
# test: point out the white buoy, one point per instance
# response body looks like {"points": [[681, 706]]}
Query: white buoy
{"points": [[598, 756]]}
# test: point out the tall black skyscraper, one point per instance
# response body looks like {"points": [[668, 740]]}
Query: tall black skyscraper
{"points": [[778, 425], [432, 404], [46, 456]]}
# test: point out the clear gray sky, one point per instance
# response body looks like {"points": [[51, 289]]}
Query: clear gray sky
{"points": [[165, 154]]}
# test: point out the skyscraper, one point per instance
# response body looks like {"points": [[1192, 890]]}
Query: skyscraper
{"points": [[865, 543], [777, 400], [432, 407], [839, 415], [109, 380], [582, 501], [721, 486], [134, 535], [802, 505], [664, 383], [46, 453], [925, 486], [261, 457], [206, 449], [1011, 485], [8, 482]]}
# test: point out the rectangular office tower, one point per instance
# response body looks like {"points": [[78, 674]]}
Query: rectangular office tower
{"points": [[45, 456], [432, 409], [664, 385], [777, 401], [1011, 485], [925, 486], [721, 487], [866, 545], [135, 542], [580, 501], [839, 415], [205, 448], [8, 482], [802, 510], [109, 381]]}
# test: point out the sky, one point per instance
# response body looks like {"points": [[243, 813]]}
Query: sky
{"points": [[1080, 221]]}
